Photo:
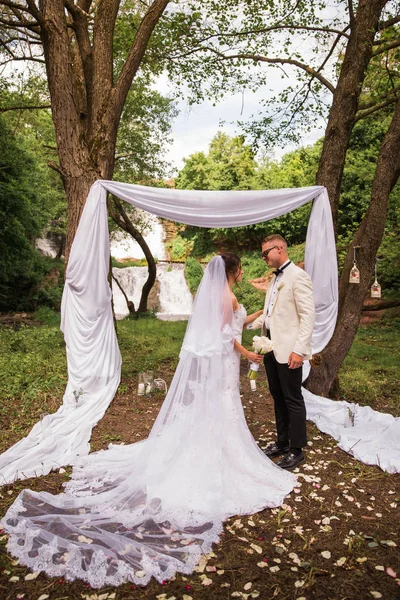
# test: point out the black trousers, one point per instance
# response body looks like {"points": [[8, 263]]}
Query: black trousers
{"points": [[290, 411]]}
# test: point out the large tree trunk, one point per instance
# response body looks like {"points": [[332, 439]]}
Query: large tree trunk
{"points": [[345, 100], [86, 102], [368, 237]]}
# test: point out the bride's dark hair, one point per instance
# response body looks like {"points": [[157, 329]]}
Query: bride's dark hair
{"points": [[232, 263]]}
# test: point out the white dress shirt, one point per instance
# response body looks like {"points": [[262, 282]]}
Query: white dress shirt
{"points": [[272, 298]]}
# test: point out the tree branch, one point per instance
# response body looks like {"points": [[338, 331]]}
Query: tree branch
{"points": [[386, 47], [381, 305], [341, 33], [39, 107], [389, 23], [136, 52], [279, 61], [361, 114]]}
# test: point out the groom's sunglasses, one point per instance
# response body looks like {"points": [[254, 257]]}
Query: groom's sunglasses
{"points": [[266, 252]]}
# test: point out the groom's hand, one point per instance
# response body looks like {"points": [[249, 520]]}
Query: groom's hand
{"points": [[295, 361]]}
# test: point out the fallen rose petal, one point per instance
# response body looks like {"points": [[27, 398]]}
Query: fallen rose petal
{"points": [[206, 580], [376, 594], [380, 568], [248, 586], [326, 554], [391, 573], [32, 576]]}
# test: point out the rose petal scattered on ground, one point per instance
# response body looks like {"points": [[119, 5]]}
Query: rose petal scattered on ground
{"points": [[389, 572], [326, 554], [32, 576], [248, 586]]}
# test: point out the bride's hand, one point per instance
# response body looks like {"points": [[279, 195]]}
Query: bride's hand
{"points": [[253, 357]]}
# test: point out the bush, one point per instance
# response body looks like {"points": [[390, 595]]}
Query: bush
{"points": [[179, 248], [251, 298], [193, 274]]}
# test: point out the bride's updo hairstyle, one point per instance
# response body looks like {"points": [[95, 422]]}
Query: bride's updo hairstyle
{"points": [[232, 263]]}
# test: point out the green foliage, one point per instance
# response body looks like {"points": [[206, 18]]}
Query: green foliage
{"points": [[179, 248], [252, 265], [389, 264], [229, 165], [23, 213], [193, 273], [251, 298]]}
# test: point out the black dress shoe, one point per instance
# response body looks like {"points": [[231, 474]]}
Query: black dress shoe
{"points": [[275, 450], [291, 460]]}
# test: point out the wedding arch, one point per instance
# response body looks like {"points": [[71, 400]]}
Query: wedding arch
{"points": [[94, 360]]}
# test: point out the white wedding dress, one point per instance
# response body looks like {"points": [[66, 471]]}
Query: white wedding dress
{"points": [[152, 508]]}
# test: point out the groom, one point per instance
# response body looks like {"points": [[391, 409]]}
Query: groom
{"points": [[288, 320]]}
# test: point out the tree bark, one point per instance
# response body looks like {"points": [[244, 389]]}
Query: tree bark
{"points": [[368, 237], [86, 104], [343, 112]]}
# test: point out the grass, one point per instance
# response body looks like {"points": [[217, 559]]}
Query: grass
{"points": [[369, 374], [33, 371]]}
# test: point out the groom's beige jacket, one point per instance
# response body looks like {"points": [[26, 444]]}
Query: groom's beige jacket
{"points": [[292, 319]]}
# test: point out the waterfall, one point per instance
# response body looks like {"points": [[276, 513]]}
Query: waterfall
{"points": [[123, 246], [175, 298], [132, 279]]}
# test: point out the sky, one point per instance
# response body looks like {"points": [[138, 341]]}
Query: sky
{"points": [[195, 126]]}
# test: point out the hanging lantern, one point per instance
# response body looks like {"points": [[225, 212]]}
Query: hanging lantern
{"points": [[376, 291], [354, 273]]}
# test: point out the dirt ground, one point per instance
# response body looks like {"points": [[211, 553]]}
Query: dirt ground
{"points": [[335, 538]]}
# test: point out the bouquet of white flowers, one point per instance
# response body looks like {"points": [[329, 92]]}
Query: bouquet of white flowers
{"points": [[261, 345]]}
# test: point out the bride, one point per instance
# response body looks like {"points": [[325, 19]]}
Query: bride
{"points": [[152, 508]]}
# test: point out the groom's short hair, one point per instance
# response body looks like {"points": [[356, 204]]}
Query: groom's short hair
{"points": [[274, 237]]}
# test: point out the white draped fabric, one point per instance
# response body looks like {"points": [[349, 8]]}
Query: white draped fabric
{"points": [[94, 361], [368, 435]]}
